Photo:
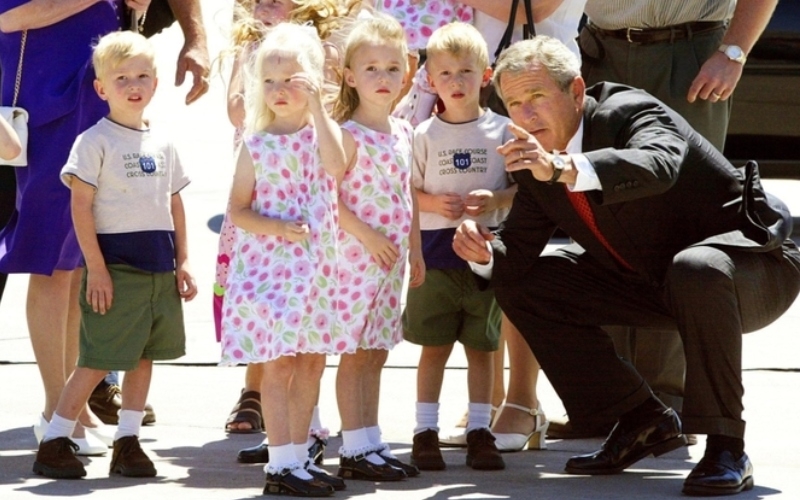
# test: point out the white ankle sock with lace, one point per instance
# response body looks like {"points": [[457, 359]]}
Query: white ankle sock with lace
{"points": [[374, 433], [356, 442], [284, 457], [301, 452]]}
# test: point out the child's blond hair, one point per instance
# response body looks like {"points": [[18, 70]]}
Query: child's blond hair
{"points": [[380, 29], [289, 40], [119, 46], [325, 16], [457, 39]]}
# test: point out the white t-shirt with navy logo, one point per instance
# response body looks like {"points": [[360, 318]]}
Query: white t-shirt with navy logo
{"points": [[134, 173], [457, 158]]}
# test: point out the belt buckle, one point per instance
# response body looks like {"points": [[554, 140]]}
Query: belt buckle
{"points": [[628, 33]]}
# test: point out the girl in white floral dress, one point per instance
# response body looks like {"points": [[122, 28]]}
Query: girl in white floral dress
{"points": [[283, 278], [379, 232]]}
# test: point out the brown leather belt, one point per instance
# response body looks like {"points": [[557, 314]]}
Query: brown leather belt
{"points": [[656, 35]]}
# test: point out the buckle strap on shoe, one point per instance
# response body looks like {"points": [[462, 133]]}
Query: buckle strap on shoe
{"points": [[360, 453], [533, 412]]}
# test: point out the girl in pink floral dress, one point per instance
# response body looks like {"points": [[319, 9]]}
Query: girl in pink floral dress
{"points": [[419, 19], [252, 19], [283, 278], [379, 233]]}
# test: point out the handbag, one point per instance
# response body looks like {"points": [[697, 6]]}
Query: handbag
{"points": [[489, 97], [16, 116], [159, 16]]}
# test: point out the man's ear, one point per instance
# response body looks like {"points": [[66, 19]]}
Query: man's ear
{"points": [[487, 76], [578, 91], [98, 87]]}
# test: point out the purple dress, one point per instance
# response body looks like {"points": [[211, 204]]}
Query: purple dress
{"points": [[58, 93]]}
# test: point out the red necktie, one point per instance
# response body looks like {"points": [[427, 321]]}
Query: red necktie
{"points": [[581, 204]]}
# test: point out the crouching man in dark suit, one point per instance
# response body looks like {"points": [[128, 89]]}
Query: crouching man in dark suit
{"points": [[666, 233]]}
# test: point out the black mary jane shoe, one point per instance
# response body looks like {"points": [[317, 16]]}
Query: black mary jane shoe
{"points": [[719, 473], [359, 467], [316, 452], [254, 455], [627, 445], [335, 482], [286, 483], [409, 469]]}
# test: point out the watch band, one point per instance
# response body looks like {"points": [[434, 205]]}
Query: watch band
{"points": [[558, 167]]}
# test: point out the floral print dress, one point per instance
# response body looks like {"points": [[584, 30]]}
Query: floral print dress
{"points": [[420, 19], [280, 296], [378, 191]]}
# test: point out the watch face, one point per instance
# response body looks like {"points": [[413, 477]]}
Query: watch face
{"points": [[734, 52]]}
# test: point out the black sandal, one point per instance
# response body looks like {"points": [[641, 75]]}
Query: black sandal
{"points": [[246, 410]]}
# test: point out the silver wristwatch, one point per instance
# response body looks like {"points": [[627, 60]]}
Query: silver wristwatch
{"points": [[558, 164], [733, 52]]}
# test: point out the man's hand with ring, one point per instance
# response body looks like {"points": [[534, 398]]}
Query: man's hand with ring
{"points": [[716, 80]]}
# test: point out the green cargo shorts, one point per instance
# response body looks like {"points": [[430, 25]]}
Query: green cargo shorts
{"points": [[448, 307], [145, 321]]}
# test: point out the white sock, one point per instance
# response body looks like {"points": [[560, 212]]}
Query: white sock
{"points": [[427, 417], [374, 434], [356, 442], [301, 451], [284, 457], [480, 416], [130, 423], [315, 429], [59, 427], [316, 423]]}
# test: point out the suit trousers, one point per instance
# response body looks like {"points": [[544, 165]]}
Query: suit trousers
{"points": [[712, 296], [665, 70]]}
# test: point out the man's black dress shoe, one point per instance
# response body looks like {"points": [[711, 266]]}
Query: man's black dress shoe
{"points": [[254, 455], [627, 445], [563, 429], [719, 474]]}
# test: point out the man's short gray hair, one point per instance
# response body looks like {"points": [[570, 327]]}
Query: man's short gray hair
{"points": [[560, 62]]}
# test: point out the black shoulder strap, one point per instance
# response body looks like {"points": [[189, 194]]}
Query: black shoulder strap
{"points": [[528, 31]]}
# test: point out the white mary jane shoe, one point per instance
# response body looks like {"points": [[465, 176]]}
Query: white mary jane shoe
{"points": [[535, 440], [454, 441], [40, 427], [102, 433], [90, 446]]}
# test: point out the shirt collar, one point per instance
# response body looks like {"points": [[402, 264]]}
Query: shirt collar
{"points": [[575, 145]]}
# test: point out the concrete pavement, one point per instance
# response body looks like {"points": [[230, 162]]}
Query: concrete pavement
{"points": [[192, 397]]}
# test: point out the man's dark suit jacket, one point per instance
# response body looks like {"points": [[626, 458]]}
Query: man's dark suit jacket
{"points": [[664, 188]]}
